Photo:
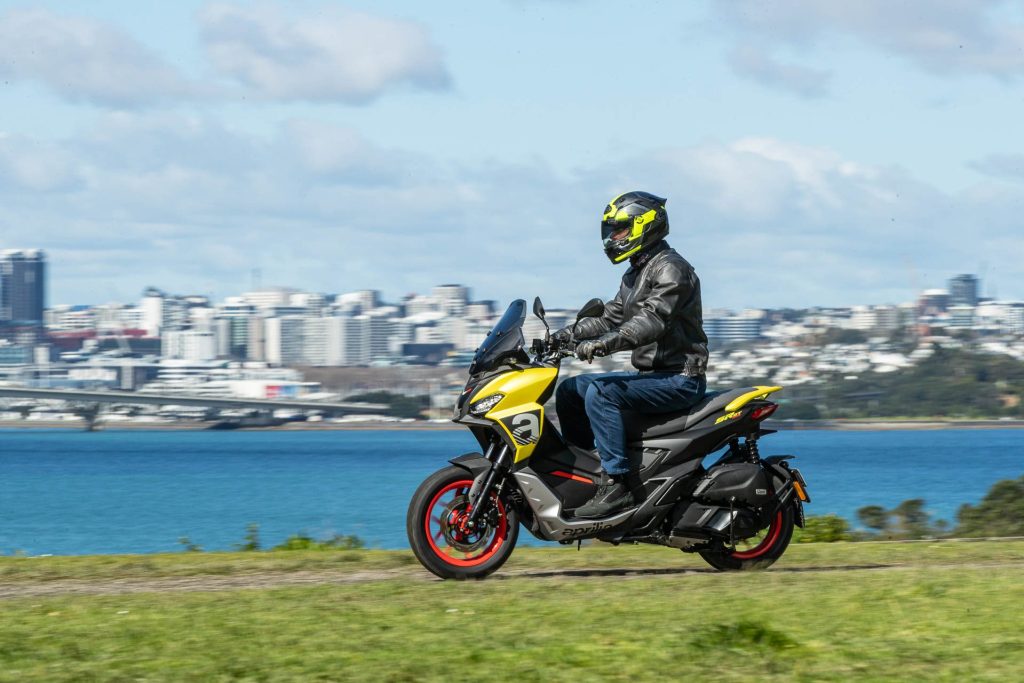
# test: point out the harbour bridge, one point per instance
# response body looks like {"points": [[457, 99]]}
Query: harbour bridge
{"points": [[87, 403]]}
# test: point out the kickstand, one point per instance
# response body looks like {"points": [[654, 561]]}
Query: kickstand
{"points": [[579, 544]]}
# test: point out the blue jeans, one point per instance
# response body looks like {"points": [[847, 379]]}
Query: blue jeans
{"points": [[590, 407]]}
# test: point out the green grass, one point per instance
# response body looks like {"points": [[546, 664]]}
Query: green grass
{"points": [[836, 612]]}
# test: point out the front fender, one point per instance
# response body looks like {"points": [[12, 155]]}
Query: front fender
{"points": [[474, 463]]}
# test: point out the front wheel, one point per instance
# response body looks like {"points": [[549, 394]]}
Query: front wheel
{"points": [[438, 535], [759, 552]]}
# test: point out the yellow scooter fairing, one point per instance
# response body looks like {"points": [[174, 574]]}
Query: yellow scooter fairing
{"points": [[520, 413]]}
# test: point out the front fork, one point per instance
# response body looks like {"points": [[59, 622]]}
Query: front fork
{"points": [[500, 457]]}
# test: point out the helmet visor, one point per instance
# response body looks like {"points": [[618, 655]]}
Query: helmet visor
{"points": [[616, 230]]}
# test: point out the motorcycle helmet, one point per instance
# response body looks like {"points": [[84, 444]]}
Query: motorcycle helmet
{"points": [[632, 222]]}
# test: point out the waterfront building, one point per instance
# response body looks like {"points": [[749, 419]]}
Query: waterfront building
{"points": [[269, 298], [963, 290], [192, 345], [65, 318], [256, 339], [310, 303], [933, 302], [325, 341], [480, 310], [722, 326], [285, 340], [161, 312], [452, 299], [381, 335], [415, 305], [356, 339], [22, 287], [960, 317], [354, 303]]}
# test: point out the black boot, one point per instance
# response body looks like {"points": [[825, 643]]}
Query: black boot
{"points": [[614, 494]]}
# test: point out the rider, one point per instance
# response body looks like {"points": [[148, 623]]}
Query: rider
{"points": [[656, 314]]}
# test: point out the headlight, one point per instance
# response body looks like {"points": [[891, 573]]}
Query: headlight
{"points": [[485, 404]]}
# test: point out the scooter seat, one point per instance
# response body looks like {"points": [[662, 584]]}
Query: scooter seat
{"points": [[641, 426]]}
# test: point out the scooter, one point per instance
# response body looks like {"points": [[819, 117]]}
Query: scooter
{"points": [[463, 520]]}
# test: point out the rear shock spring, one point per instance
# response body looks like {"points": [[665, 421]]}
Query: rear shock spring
{"points": [[752, 452]]}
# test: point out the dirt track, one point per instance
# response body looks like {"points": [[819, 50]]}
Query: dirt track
{"points": [[187, 584]]}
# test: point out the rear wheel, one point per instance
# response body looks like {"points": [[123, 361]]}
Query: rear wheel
{"points": [[440, 539], [758, 552]]}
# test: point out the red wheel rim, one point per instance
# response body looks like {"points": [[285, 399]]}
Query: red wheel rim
{"points": [[774, 530], [449, 540]]}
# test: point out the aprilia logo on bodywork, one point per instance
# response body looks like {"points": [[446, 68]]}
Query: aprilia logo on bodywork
{"points": [[587, 529], [524, 427]]}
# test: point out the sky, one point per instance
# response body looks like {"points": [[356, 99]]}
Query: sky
{"points": [[814, 153]]}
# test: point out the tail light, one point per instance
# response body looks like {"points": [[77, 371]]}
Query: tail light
{"points": [[763, 412]]}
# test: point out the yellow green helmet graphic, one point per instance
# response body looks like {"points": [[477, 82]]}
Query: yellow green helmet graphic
{"points": [[632, 222]]}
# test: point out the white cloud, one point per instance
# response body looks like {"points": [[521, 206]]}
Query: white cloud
{"points": [[1008, 166], [85, 60], [759, 65], [189, 204], [27, 164], [334, 55], [939, 36]]}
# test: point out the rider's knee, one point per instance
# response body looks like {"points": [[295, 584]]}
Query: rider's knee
{"points": [[566, 391], [596, 396]]}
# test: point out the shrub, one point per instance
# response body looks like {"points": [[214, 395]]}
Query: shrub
{"points": [[1000, 512], [251, 542], [303, 541], [823, 529], [189, 546]]}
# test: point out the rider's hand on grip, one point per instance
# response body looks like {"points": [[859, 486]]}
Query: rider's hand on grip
{"points": [[590, 349]]}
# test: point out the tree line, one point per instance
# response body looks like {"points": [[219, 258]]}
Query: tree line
{"points": [[1000, 513]]}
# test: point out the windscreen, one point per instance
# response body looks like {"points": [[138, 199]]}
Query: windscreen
{"points": [[504, 340]]}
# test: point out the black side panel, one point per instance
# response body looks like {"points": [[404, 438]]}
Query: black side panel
{"points": [[570, 472], [567, 458], [572, 492], [474, 463], [696, 442]]}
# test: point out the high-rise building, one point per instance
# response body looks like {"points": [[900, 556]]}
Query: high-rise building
{"points": [[357, 340], [452, 298], [22, 287], [285, 340], [963, 290], [152, 306]]}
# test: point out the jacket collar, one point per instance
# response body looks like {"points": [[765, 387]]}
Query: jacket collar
{"points": [[645, 256]]}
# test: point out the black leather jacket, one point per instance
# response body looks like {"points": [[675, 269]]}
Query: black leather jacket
{"points": [[657, 313]]}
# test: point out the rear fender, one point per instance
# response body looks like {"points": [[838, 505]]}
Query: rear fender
{"points": [[787, 493], [799, 509]]}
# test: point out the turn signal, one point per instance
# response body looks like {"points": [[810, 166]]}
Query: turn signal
{"points": [[763, 412]]}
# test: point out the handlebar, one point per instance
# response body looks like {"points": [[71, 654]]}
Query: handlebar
{"points": [[556, 351]]}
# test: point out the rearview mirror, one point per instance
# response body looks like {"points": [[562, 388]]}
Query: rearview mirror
{"points": [[592, 309], [538, 308]]}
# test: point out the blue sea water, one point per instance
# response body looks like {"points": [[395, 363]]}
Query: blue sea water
{"points": [[68, 492]]}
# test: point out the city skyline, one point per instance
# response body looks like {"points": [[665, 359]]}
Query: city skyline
{"points": [[806, 147], [256, 285]]}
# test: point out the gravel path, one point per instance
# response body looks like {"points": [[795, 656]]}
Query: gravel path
{"points": [[187, 584]]}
